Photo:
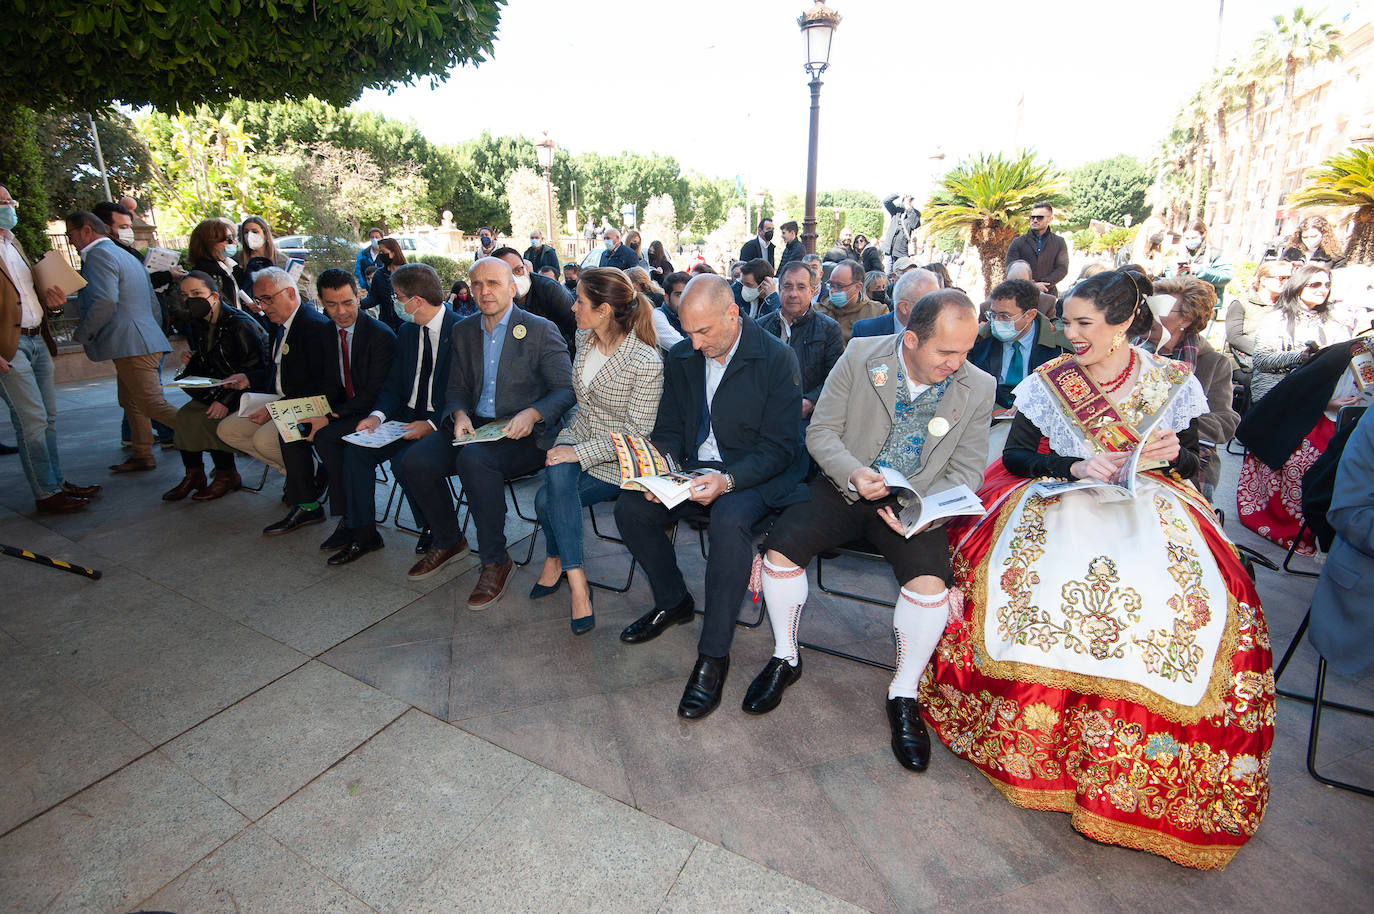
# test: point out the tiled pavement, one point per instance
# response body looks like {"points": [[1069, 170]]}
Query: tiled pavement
{"points": [[223, 723]]}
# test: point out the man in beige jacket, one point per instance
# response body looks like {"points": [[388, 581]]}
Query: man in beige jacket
{"points": [[908, 403]]}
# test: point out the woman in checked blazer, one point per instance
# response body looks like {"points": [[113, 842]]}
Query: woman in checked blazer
{"points": [[618, 377]]}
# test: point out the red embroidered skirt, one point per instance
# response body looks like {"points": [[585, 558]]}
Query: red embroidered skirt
{"points": [[1191, 792], [1269, 502]]}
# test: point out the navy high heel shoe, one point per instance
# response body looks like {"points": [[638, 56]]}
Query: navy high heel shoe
{"points": [[586, 623]]}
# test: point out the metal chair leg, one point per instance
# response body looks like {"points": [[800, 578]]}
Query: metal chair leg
{"points": [[1314, 733], [1299, 696], [820, 582], [262, 480], [1292, 550]]}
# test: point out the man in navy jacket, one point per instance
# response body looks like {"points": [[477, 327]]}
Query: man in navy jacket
{"points": [[617, 255], [422, 353], [731, 408]]}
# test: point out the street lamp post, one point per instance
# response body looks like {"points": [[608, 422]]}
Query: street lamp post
{"points": [[817, 28], [545, 148]]}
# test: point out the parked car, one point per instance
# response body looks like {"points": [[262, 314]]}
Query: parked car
{"points": [[317, 248]]}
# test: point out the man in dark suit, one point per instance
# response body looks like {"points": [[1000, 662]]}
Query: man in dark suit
{"points": [[305, 363], [731, 408], [616, 254], [541, 296], [911, 287], [1046, 252], [1017, 339], [509, 366], [814, 337], [418, 375], [761, 245], [364, 346]]}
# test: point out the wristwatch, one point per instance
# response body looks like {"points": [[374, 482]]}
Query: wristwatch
{"points": [[729, 483]]}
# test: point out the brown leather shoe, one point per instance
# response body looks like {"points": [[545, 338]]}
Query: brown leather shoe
{"points": [[193, 481], [434, 559], [134, 465], [491, 583], [80, 491], [221, 484], [60, 503]]}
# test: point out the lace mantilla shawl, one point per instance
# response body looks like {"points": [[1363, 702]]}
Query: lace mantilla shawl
{"points": [[1040, 405]]}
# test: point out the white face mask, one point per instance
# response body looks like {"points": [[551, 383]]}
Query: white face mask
{"points": [[253, 240], [748, 294], [125, 235], [522, 285]]}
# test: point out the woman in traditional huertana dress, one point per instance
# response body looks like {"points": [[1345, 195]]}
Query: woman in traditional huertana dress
{"points": [[1111, 660]]}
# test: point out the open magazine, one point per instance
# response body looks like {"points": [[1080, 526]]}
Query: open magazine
{"points": [[644, 469], [492, 431], [922, 510], [289, 415], [1124, 485]]}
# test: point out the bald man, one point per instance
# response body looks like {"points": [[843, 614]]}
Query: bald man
{"points": [[911, 287], [507, 365], [731, 410]]}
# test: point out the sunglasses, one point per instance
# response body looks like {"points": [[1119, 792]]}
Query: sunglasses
{"points": [[1318, 284], [1038, 218]]}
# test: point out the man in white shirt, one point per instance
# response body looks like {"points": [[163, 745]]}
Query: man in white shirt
{"points": [[26, 372]]}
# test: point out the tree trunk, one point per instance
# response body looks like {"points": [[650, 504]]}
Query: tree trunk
{"points": [[1243, 186], [1360, 247], [1222, 172], [1199, 166]]}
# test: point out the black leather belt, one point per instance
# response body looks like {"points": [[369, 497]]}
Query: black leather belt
{"points": [[31, 332]]}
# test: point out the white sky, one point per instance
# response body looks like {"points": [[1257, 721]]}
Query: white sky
{"points": [[719, 84]]}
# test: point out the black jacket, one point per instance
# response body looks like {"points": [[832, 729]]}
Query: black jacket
{"points": [[987, 353], [1276, 424], [545, 256], [1050, 265], [394, 399], [751, 251], [1299, 255], [817, 342], [872, 261], [310, 361], [756, 414], [549, 299], [369, 362], [239, 347], [793, 250], [381, 297]]}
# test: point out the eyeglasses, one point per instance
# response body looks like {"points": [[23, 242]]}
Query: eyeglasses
{"points": [[1318, 284], [265, 300], [1004, 316]]}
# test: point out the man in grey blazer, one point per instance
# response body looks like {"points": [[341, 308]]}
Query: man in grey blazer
{"points": [[1342, 613], [507, 365], [910, 404], [116, 324]]}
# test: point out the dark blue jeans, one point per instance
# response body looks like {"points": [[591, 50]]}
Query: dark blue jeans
{"points": [[567, 489]]}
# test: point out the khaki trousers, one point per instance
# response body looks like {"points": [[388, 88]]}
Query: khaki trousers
{"points": [[139, 391], [259, 441]]}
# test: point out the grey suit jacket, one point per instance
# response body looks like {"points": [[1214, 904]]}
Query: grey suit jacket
{"points": [[1342, 611], [534, 371], [116, 308], [854, 415]]}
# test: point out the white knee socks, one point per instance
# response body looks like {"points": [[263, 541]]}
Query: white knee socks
{"points": [[784, 590], [918, 621]]}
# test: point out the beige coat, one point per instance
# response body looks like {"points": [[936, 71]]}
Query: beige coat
{"points": [[854, 415], [862, 309]]}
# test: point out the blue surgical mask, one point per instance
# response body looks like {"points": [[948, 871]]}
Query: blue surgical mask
{"points": [[839, 299], [609, 244], [402, 313], [8, 217], [230, 250], [1005, 330]]}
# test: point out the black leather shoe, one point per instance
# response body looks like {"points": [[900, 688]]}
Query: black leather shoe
{"points": [[703, 687], [296, 517], [654, 622], [910, 741], [424, 542], [354, 551], [765, 692], [340, 538], [7, 449]]}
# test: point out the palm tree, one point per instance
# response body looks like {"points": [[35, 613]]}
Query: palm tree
{"points": [[1346, 179], [1195, 116], [1255, 75], [1301, 41], [988, 197]]}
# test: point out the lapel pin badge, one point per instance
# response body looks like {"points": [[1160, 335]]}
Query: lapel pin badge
{"points": [[879, 375], [938, 427], [518, 332]]}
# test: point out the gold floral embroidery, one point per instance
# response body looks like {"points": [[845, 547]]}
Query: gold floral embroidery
{"points": [[1019, 621], [1094, 605], [1174, 653]]}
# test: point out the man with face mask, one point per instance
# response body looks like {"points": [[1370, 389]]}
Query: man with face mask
{"points": [[540, 295], [756, 293], [847, 303], [368, 257], [26, 371], [616, 254], [1197, 259], [761, 245], [542, 256], [1017, 339]]}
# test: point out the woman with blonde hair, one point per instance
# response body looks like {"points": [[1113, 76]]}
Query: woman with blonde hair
{"points": [[1315, 240], [643, 282], [618, 377]]}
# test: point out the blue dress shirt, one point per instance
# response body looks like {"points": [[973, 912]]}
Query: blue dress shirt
{"points": [[491, 358]]}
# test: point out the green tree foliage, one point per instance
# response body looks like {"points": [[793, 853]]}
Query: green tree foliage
{"points": [[866, 221], [709, 203], [848, 199], [21, 173], [1109, 190], [1345, 180], [607, 183], [450, 269], [69, 170], [169, 53], [988, 197], [659, 222]]}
